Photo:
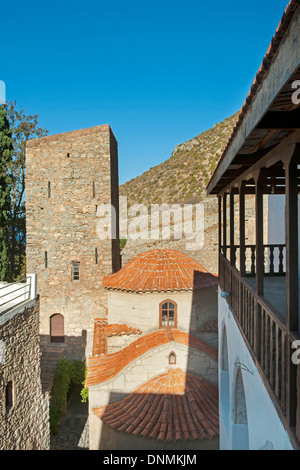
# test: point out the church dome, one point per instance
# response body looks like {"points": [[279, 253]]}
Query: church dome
{"points": [[160, 270]]}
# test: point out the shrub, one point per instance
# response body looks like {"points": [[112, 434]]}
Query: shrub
{"points": [[122, 242], [67, 374]]}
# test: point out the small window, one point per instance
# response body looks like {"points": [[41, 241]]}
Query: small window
{"points": [[172, 358], [46, 259], [49, 189], [168, 314], [9, 396], [75, 271]]}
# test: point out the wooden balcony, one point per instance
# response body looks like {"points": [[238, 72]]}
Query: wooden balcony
{"points": [[264, 329]]}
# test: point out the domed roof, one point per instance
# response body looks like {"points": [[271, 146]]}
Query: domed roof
{"points": [[160, 270], [175, 406]]}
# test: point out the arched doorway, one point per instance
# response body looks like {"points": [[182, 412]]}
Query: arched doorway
{"points": [[57, 331]]}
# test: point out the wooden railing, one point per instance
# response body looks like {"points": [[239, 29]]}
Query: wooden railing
{"points": [[265, 333], [274, 256]]}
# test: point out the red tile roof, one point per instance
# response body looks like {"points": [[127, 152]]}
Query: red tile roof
{"points": [[172, 407], [102, 331], [160, 271], [107, 366]]}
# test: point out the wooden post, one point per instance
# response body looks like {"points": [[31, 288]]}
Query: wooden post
{"points": [[224, 225], [242, 229], [232, 248], [291, 240], [220, 222], [220, 260], [259, 177]]}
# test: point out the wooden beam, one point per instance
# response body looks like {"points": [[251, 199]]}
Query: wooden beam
{"points": [[250, 159], [280, 120]]}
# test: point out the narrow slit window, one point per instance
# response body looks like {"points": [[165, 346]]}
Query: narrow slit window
{"points": [[96, 255], [49, 189], [93, 189], [9, 396], [75, 271], [46, 259]]}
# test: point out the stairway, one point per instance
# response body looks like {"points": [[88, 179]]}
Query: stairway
{"points": [[50, 356]]}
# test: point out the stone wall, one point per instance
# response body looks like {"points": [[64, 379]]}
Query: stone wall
{"points": [[68, 176], [24, 425], [207, 255]]}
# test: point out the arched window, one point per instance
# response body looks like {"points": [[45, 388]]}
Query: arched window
{"points": [[57, 333], [168, 314], [9, 396], [172, 358]]}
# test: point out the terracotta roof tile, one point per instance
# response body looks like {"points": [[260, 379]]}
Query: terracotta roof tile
{"points": [[160, 270], [167, 415], [105, 367], [102, 331]]}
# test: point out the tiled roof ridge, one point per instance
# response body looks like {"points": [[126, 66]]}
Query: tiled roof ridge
{"points": [[160, 270], [106, 366], [174, 406], [272, 49]]}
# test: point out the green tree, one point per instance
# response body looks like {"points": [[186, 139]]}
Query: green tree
{"points": [[24, 127], [6, 155]]}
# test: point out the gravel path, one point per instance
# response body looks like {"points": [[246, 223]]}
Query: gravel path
{"points": [[73, 433]]}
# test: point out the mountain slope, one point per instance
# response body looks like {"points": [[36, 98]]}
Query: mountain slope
{"points": [[181, 179], [185, 174]]}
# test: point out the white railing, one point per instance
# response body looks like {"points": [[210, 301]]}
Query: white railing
{"points": [[12, 294]]}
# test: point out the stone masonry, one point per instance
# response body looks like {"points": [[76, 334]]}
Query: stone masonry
{"points": [[67, 177], [24, 410]]}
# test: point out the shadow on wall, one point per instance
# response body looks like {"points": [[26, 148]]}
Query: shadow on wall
{"points": [[178, 409], [74, 347]]}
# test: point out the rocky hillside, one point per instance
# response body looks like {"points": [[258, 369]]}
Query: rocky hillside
{"points": [[185, 174], [182, 179]]}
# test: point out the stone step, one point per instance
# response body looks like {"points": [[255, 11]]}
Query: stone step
{"points": [[49, 359]]}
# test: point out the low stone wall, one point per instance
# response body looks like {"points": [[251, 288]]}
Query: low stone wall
{"points": [[24, 413]]}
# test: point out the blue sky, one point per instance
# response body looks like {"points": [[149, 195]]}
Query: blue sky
{"points": [[158, 72]]}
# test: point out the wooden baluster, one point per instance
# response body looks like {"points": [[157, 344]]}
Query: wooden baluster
{"points": [[283, 371], [277, 361], [267, 350], [263, 339], [253, 260], [280, 269], [271, 259], [271, 353]]}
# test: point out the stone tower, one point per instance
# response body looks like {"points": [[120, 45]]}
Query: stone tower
{"points": [[67, 177]]}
